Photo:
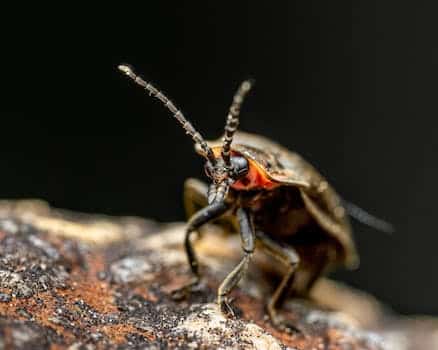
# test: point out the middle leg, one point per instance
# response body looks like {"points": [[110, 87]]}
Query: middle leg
{"points": [[289, 257], [248, 245]]}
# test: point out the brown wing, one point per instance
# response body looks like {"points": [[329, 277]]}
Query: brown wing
{"points": [[290, 169]]}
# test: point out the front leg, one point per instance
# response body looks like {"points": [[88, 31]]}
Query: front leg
{"points": [[203, 216], [248, 245], [200, 218]]}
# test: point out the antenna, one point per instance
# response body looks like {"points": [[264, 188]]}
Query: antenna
{"points": [[233, 119], [177, 114]]}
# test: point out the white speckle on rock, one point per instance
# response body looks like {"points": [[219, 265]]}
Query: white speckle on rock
{"points": [[46, 247], [131, 269], [210, 326], [9, 226]]}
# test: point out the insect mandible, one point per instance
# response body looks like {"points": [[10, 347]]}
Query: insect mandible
{"points": [[280, 201]]}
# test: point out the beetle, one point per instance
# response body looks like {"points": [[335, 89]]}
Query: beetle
{"points": [[280, 202]]}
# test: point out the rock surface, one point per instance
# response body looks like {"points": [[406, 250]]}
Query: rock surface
{"points": [[75, 281]]}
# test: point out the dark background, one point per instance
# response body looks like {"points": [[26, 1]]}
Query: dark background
{"points": [[350, 87]]}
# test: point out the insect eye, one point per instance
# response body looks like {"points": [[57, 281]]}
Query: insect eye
{"points": [[240, 166]]}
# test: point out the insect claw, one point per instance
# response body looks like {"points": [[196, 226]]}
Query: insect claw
{"points": [[226, 308]]}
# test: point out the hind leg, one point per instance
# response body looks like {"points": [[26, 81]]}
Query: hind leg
{"points": [[289, 257]]}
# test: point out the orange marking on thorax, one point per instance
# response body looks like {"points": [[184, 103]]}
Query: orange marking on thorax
{"points": [[254, 180]]}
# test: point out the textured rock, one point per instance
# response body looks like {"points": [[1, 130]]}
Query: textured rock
{"points": [[74, 281]]}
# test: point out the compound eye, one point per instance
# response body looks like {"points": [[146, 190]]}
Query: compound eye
{"points": [[208, 170], [240, 166]]}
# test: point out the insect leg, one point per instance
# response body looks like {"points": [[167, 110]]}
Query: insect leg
{"points": [[195, 198], [203, 216], [248, 246], [289, 257]]}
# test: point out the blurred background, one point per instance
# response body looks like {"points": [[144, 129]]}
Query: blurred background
{"points": [[352, 88]]}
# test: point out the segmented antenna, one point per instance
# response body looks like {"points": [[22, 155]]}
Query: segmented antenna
{"points": [[233, 120], [188, 127]]}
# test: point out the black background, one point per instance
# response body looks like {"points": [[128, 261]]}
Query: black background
{"points": [[350, 87]]}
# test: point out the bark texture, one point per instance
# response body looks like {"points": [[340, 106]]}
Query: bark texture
{"points": [[75, 281]]}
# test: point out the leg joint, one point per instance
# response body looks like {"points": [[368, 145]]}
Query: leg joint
{"points": [[248, 250], [292, 257]]}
